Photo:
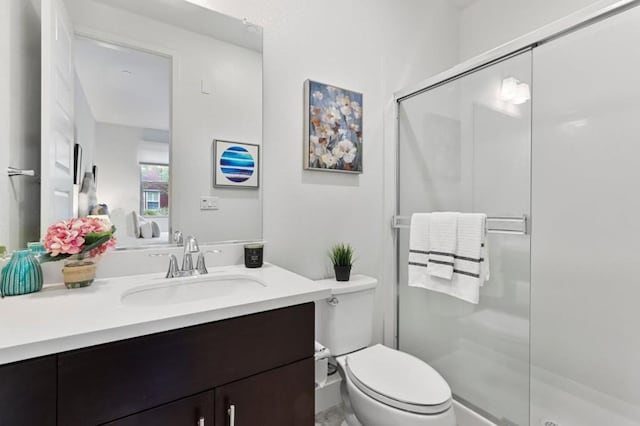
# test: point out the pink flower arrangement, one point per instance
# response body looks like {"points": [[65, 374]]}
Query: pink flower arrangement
{"points": [[84, 237]]}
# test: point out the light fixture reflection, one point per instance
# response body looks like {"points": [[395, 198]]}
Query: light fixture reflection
{"points": [[514, 91]]}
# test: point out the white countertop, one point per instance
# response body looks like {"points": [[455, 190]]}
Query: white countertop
{"points": [[56, 319]]}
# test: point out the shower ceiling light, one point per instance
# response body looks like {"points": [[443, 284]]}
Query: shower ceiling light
{"points": [[514, 91]]}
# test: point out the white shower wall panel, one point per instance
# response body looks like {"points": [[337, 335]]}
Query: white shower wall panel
{"points": [[585, 283]]}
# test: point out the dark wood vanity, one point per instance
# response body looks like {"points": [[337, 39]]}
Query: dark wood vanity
{"points": [[255, 370]]}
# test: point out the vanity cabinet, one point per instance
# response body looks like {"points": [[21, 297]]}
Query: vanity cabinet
{"points": [[193, 411], [280, 397], [28, 393], [262, 364]]}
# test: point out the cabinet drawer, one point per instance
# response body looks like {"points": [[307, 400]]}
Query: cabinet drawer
{"points": [[102, 383], [194, 411], [280, 397]]}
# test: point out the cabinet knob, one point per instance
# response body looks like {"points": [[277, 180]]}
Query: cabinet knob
{"points": [[201, 421], [232, 415]]}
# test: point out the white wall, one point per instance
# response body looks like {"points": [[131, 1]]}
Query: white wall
{"points": [[486, 24], [425, 41], [85, 126], [20, 110], [370, 47], [119, 150], [153, 152], [233, 112], [116, 155], [4, 122]]}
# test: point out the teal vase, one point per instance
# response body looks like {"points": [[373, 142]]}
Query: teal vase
{"points": [[21, 275]]}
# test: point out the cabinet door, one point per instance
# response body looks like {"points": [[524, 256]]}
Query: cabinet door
{"points": [[28, 393], [107, 382], [193, 411], [280, 397]]}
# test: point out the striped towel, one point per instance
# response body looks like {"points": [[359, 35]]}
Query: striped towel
{"points": [[471, 263], [442, 244]]}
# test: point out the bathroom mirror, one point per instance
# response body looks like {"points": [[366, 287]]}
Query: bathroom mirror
{"points": [[134, 93]]}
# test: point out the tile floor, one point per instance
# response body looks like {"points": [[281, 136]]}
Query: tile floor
{"points": [[334, 416]]}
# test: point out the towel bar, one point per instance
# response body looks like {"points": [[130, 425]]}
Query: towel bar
{"points": [[495, 224]]}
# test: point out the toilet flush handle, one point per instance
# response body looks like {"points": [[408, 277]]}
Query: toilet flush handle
{"points": [[333, 301]]}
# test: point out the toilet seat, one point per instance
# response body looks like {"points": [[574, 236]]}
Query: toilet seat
{"points": [[399, 380]]}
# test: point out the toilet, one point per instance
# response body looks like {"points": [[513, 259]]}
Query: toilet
{"points": [[384, 386]]}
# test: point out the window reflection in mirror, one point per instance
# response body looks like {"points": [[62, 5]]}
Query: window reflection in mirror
{"points": [[154, 190]]}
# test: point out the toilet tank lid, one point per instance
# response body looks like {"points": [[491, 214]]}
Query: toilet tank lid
{"points": [[356, 283]]}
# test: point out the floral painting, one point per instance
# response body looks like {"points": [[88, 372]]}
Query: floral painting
{"points": [[333, 128]]}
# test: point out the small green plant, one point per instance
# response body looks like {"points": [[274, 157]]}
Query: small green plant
{"points": [[341, 255]]}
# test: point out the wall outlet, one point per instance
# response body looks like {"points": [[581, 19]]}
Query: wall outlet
{"points": [[208, 203]]}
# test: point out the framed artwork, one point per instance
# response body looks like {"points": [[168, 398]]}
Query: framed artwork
{"points": [[332, 128], [236, 164]]}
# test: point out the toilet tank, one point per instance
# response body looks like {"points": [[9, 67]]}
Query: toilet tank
{"points": [[344, 322]]}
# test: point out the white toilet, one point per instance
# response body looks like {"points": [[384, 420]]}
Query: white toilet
{"points": [[385, 387]]}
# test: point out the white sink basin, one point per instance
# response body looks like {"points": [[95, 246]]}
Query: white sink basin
{"points": [[190, 289]]}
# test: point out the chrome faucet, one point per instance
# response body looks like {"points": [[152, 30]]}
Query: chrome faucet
{"points": [[177, 238], [173, 270], [190, 246], [201, 267], [187, 270], [173, 267]]}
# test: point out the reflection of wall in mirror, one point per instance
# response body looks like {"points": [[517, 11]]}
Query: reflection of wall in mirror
{"points": [[19, 121], [232, 111], [4, 120], [119, 152], [85, 127]]}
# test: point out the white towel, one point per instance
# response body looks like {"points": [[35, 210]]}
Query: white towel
{"points": [[419, 250], [470, 237], [472, 244], [442, 244], [471, 264]]}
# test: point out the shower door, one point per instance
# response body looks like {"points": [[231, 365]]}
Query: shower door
{"points": [[466, 146], [585, 336]]}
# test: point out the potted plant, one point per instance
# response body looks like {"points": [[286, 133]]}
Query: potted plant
{"points": [[341, 256], [78, 241]]}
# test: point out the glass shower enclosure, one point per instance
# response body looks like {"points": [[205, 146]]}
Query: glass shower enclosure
{"points": [[465, 145], [548, 133]]}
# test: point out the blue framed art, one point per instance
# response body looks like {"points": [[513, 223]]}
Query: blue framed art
{"points": [[236, 164], [333, 128]]}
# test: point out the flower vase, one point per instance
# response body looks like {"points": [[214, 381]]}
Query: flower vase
{"points": [[79, 273], [343, 272], [21, 275]]}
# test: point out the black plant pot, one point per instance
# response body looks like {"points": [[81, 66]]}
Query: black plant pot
{"points": [[342, 272]]}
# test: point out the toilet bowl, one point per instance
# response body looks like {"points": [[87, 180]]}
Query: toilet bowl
{"points": [[386, 387], [383, 386]]}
